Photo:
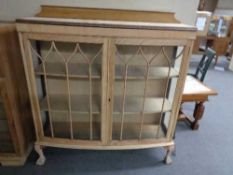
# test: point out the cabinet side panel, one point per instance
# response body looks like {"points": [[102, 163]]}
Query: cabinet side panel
{"points": [[31, 89], [179, 89]]}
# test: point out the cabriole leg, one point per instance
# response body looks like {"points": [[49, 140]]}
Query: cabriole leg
{"points": [[168, 159], [41, 160]]}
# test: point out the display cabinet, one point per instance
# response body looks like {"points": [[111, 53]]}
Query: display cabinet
{"points": [[104, 84], [16, 125]]}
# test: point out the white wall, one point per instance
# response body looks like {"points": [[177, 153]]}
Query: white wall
{"points": [[185, 10], [224, 7], [225, 4]]}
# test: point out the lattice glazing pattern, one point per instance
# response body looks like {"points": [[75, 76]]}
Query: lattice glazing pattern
{"points": [[146, 71], [71, 76]]}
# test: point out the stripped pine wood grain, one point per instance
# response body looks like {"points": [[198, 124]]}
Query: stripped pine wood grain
{"points": [[16, 130]]}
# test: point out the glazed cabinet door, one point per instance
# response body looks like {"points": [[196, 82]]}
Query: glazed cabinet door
{"points": [[67, 81], [146, 89]]}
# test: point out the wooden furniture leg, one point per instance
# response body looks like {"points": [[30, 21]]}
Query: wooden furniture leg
{"points": [[170, 150], [41, 160], [198, 113]]}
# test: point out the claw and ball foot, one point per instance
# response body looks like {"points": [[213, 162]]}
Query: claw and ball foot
{"points": [[41, 160], [168, 159]]}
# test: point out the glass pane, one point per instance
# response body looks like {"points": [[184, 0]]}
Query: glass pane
{"points": [[69, 80], [144, 88]]}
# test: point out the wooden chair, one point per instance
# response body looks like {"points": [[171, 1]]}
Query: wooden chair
{"points": [[204, 64], [200, 74]]}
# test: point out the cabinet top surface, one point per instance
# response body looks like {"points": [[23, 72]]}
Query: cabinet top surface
{"points": [[106, 24]]}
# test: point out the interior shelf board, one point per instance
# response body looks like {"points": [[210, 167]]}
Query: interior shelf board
{"points": [[133, 105], [2, 113], [81, 71], [4, 135], [6, 144], [75, 70], [131, 131], [139, 72], [79, 104], [6, 147], [3, 125], [81, 130]]}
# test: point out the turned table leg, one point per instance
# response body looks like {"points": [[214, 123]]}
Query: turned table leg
{"points": [[41, 160], [198, 113]]}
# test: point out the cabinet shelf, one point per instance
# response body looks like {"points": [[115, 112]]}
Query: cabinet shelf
{"points": [[4, 126], [139, 73], [5, 136], [82, 130], [80, 104], [2, 112], [133, 105], [132, 130], [81, 71], [75, 70], [6, 145]]}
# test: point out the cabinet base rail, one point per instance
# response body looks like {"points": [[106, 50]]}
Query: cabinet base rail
{"points": [[40, 145]]}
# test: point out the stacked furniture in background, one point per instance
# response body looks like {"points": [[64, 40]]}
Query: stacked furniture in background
{"points": [[16, 126], [219, 37]]}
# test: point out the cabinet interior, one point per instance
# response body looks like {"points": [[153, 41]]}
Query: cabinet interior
{"points": [[69, 85]]}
